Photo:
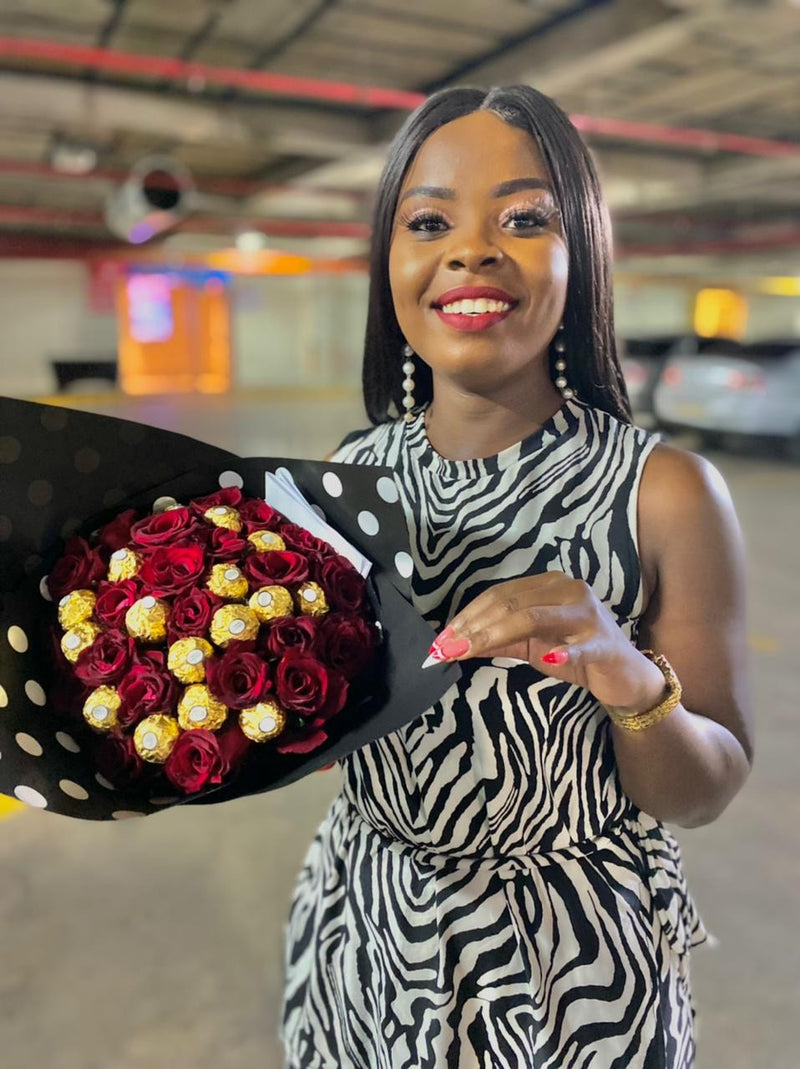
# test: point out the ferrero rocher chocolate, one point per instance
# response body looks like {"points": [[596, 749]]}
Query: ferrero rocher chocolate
{"points": [[76, 607], [228, 581], [263, 721], [124, 564], [270, 602], [266, 540], [223, 516], [198, 708], [311, 599], [100, 708], [146, 619], [187, 659], [79, 638], [155, 736], [233, 623]]}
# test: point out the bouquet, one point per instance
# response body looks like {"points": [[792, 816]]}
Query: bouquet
{"points": [[181, 625], [191, 634]]}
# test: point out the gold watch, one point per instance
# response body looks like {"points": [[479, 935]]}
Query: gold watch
{"points": [[639, 721]]}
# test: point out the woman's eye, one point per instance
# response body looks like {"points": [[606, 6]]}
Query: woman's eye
{"points": [[527, 219], [428, 223]]}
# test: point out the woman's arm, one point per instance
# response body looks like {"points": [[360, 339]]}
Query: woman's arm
{"points": [[688, 767]]}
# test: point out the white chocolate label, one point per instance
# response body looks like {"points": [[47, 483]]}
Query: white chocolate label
{"points": [[265, 598], [150, 740], [220, 510], [310, 595], [236, 627], [100, 712], [267, 723], [197, 713], [194, 656], [148, 602], [119, 554], [71, 641], [232, 573]]}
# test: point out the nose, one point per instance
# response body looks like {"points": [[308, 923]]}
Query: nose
{"points": [[472, 250]]}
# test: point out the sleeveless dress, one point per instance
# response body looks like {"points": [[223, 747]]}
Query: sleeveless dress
{"points": [[482, 893]]}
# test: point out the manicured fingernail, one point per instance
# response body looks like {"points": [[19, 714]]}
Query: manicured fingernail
{"points": [[453, 647], [556, 657], [443, 636]]}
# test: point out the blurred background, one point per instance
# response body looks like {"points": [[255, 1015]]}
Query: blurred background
{"points": [[185, 195]]}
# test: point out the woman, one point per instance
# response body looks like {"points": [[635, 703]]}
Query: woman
{"points": [[494, 886]]}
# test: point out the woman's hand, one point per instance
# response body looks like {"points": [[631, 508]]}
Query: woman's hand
{"points": [[566, 633]]}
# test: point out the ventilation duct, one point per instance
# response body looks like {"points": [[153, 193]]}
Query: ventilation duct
{"points": [[155, 197]]}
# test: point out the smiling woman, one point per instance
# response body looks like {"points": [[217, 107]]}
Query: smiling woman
{"points": [[494, 884]]}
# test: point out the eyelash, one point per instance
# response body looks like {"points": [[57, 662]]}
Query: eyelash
{"points": [[540, 216]]}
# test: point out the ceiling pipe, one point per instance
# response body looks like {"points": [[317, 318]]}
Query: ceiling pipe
{"points": [[200, 74]]}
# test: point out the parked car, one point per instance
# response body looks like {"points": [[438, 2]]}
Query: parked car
{"points": [[644, 359], [743, 391]]}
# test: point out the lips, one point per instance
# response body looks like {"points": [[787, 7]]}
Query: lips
{"points": [[473, 293], [471, 321]]}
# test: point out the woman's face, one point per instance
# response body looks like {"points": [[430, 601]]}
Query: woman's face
{"points": [[476, 212]]}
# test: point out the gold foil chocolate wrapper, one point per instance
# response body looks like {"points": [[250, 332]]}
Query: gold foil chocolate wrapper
{"points": [[124, 564], [198, 708], [311, 599], [270, 602], [187, 659], [228, 581], [146, 619], [263, 721], [223, 516], [233, 623], [266, 540], [155, 736], [101, 707], [76, 607], [79, 638]]}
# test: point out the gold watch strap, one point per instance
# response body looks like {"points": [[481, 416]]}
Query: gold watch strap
{"points": [[639, 721]]}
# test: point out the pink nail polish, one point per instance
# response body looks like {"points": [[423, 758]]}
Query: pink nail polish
{"points": [[556, 657], [454, 647], [443, 636]]}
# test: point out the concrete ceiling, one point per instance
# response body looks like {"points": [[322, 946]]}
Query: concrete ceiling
{"points": [[282, 111]]}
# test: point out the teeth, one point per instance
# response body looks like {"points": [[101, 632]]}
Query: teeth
{"points": [[478, 307]]}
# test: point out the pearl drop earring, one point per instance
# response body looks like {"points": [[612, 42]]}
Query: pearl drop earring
{"points": [[560, 347], [408, 383]]}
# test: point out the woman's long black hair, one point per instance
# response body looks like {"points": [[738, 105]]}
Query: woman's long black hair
{"points": [[593, 368]]}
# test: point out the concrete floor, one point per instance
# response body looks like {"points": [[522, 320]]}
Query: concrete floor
{"points": [[156, 944]]}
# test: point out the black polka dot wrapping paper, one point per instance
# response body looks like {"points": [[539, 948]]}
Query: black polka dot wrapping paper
{"points": [[65, 472]]}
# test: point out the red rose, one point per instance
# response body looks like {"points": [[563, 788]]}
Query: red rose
{"points": [[345, 588], [78, 569], [106, 661], [223, 544], [238, 678], [229, 495], [257, 515], [117, 533], [116, 759], [171, 571], [114, 600], [299, 538], [289, 632], [308, 687], [305, 742], [191, 614], [164, 528], [346, 643], [277, 566], [195, 761], [146, 689]]}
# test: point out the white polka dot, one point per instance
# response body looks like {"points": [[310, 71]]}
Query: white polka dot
{"points": [[67, 741], [148, 602], [231, 478], [30, 797], [368, 522], [404, 563], [332, 484], [104, 782], [161, 504], [29, 744], [284, 473], [17, 639], [194, 656], [3, 698], [74, 790], [387, 489], [35, 692], [197, 714], [125, 814], [150, 740], [320, 512], [236, 627], [44, 590]]}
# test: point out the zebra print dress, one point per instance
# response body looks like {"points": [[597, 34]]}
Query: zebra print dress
{"points": [[482, 893]]}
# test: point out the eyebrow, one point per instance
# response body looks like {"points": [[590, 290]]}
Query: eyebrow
{"points": [[503, 190]]}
